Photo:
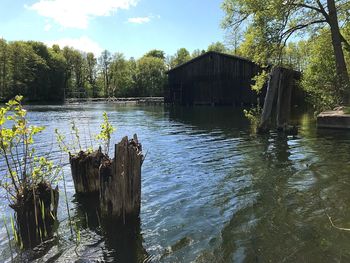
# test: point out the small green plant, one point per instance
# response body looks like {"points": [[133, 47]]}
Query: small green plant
{"points": [[104, 137], [28, 176], [24, 167], [259, 81], [253, 115], [106, 133]]}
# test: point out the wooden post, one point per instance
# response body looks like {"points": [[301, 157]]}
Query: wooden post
{"points": [[281, 84], [284, 99], [36, 214], [120, 181], [272, 89], [85, 171]]}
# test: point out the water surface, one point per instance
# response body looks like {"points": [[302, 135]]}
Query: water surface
{"points": [[211, 190]]}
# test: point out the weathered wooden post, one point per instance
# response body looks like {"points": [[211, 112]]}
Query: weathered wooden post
{"points": [[278, 97], [120, 181], [272, 88], [85, 171], [284, 99], [35, 214]]}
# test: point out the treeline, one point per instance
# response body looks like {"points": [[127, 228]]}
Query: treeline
{"points": [[42, 73]]}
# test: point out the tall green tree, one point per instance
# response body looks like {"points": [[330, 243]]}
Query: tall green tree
{"points": [[91, 72], [57, 65], [40, 86], [181, 56], [197, 53], [78, 70], [105, 60], [151, 76], [3, 68], [218, 47], [24, 64], [121, 80], [69, 86], [156, 53]]}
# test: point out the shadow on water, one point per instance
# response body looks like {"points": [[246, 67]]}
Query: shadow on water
{"points": [[118, 242], [124, 242], [209, 117]]}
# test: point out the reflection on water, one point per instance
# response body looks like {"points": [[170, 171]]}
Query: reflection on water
{"points": [[211, 190]]}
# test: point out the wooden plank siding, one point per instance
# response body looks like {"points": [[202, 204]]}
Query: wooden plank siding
{"points": [[212, 78]]}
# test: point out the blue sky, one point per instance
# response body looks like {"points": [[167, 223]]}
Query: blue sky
{"points": [[132, 27]]}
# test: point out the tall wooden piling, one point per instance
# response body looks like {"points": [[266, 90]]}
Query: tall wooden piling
{"points": [[278, 97], [120, 181]]}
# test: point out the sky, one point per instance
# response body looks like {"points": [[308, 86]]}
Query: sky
{"points": [[132, 27]]}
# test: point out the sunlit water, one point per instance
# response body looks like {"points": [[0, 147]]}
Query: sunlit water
{"points": [[211, 190]]}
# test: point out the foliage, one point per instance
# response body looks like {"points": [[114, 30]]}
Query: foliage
{"points": [[259, 81], [218, 47], [320, 76], [75, 145], [121, 76], [156, 54], [181, 56], [253, 115], [25, 168], [197, 53], [104, 62], [106, 133], [150, 76]]}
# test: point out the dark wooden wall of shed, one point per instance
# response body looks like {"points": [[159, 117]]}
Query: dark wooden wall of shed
{"points": [[212, 79]]}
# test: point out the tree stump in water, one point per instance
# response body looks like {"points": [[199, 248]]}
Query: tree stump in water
{"points": [[85, 171], [284, 99], [35, 214], [120, 181], [279, 97], [272, 88]]}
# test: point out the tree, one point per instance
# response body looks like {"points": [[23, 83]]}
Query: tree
{"points": [[320, 74], [104, 62], [57, 65], [91, 63], [23, 66], [181, 56], [68, 54], [40, 86], [150, 76], [3, 68], [197, 53], [296, 55], [121, 80], [156, 54], [78, 69], [217, 47], [273, 22]]}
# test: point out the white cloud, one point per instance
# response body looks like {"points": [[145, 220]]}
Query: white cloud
{"points": [[83, 43], [77, 13], [139, 20], [142, 20], [47, 27]]}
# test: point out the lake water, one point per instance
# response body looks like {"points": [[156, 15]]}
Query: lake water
{"points": [[211, 190]]}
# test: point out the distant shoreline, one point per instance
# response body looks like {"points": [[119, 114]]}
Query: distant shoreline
{"points": [[132, 100]]}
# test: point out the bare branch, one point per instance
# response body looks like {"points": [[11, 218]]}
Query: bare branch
{"points": [[291, 30], [322, 10], [307, 6]]}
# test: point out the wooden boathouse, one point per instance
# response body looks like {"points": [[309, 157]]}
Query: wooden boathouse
{"points": [[212, 79]]}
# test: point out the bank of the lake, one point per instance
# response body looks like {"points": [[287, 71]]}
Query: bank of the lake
{"points": [[211, 190]]}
